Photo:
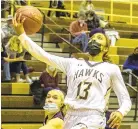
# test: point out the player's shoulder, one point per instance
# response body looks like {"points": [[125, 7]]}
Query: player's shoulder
{"points": [[73, 60], [111, 66], [56, 122]]}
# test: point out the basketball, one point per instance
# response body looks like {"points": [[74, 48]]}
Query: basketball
{"points": [[33, 21]]}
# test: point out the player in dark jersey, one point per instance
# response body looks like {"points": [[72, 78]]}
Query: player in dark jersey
{"points": [[53, 110]]}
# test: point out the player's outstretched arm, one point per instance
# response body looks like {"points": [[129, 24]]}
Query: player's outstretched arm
{"points": [[35, 50]]}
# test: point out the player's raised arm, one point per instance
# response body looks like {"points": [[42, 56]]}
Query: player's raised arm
{"points": [[35, 50]]}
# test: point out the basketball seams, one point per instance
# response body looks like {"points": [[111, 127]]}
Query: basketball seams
{"points": [[32, 19], [24, 9]]}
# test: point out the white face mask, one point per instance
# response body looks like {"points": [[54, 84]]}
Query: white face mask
{"points": [[51, 108]]}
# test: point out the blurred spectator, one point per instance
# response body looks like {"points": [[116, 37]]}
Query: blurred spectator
{"points": [[16, 68], [7, 32], [15, 54], [52, 4], [2, 9], [48, 80], [80, 31], [92, 20], [21, 2], [57, 4], [131, 65], [5, 8], [113, 35], [96, 25], [93, 23], [38, 92], [110, 32], [87, 5], [5, 66]]}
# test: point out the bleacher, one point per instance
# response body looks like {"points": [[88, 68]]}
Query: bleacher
{"points": [[18, 110]]}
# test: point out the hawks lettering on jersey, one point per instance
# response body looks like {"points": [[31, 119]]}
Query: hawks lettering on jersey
{"points": [[89, 72]]}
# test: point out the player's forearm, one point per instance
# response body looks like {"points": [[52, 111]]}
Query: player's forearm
{"points": [[124, 100], [34, 49], [125, 107], [121, 92], [37, 52]]}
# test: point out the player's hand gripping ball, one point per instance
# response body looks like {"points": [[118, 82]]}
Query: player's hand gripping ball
{"points": [[33, 19], [18, 24]]}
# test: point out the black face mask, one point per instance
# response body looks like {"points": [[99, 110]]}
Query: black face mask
{"points": [[94, 48]]}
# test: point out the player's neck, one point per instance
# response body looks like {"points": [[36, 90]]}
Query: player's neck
{"points": [[51, 115], [97, 58]]}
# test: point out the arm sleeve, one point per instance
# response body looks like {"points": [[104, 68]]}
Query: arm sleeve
{"points": [[37, 52], [121, 91]]}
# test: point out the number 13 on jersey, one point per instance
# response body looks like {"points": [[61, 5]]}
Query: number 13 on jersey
{"points": [[83, 90]]}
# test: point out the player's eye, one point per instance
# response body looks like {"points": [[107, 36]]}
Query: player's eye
{"points": [[48, 96], [55, 97]]}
